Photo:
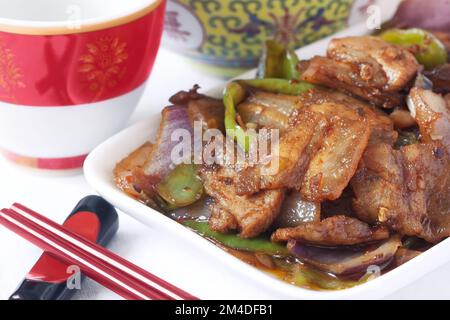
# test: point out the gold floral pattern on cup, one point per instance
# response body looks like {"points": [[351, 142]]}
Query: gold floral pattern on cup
{"points": [[102, 64], [11, 75]]}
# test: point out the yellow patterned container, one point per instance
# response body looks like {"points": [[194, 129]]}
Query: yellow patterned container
{"points": [[227, 35]]}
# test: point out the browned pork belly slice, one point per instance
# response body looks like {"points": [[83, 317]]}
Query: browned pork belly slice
{"points": [[209, 112], [345, 77], [432, 113], [333, 231], [382, 127], [221, 220], [250, 215], [373, 53], [317, 156], [342, 147], [407, 190], [268, 110], [295, 150], [365, 66], [288, 166]]}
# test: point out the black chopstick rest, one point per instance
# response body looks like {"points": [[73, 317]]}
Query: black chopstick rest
{"points": [[51, 279]]}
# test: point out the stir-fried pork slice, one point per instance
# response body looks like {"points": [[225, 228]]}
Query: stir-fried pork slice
{"points": [[295, 150], [345, 77], [210, 112], [382, 127], [377, 183], [262, 116], [317, 156], [221, 220], [342, 146], [334, 231], [436, 225], [405, 189], [269, 110], [284, 104], [374, 56], [328, 158], [367, 67], [252, 214], [432, 113]]}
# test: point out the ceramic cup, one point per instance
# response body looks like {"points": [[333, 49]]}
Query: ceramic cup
{"points": [[226, 36], [71, 73]]}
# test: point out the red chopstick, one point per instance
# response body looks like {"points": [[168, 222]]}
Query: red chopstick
{"points": [[110, 270]]}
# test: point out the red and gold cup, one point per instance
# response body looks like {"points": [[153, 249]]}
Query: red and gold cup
{"points": [[71, 74]]}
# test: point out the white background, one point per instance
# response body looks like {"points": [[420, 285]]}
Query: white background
{"points": [[56, 196]]}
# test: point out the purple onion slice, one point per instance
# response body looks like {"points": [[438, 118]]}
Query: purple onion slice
{"points": [[346, 260]]}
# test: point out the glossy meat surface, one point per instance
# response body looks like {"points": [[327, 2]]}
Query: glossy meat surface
{"points": [[342, 146], [405, 189], [367, 67], [268, 110], [317, 156], [381, 64], [382, 127], [432, 113], [296, 149], [252, 214], [333, 231]]}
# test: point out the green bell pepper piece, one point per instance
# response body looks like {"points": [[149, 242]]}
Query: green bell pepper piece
{"points": [[283, 86], [182, 187], [431, 52], [233, 95], [234, 242]]}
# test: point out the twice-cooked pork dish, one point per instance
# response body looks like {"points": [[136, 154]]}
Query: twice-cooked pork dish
{"points": [[361, 183]]}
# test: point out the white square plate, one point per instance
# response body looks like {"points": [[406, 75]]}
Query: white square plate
{"points": [[99, 173]]}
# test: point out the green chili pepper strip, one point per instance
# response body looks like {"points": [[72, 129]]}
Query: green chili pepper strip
{"points": [[278, 62], [289, 66], [283, 86], [269, 65], [182, 187], [431, 52], [234, 242], [233, 95]]}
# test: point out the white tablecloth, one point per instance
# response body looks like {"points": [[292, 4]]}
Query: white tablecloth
{"points": [[56, 196]]}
